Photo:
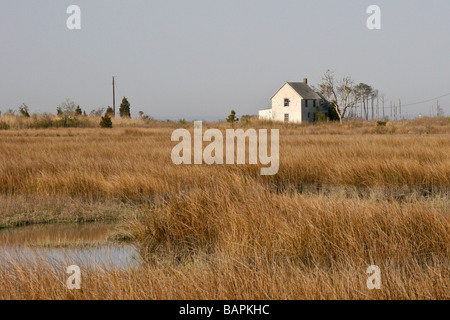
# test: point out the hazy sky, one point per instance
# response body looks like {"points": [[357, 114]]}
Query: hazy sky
{"points": [[201, 58]]}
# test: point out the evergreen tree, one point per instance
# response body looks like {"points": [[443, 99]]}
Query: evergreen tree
{"points": [[106, 121], [332, 114], [232, 117], [124, 109], [110, 111]]}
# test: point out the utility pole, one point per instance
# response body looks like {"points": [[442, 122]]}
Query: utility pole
{"points": [[395, 111], [114, 97], [400, 106]]}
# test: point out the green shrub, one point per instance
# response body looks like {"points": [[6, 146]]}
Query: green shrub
{"points": [[42, 122], [67, 122], [4, 125], [322, 117], [106, 121]]}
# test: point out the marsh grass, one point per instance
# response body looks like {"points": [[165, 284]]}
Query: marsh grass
{"points": [[135, 164], [345, 197], [57, 235], [17, 210], [224, 278]]}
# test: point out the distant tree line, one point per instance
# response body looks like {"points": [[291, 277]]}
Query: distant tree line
{"points": [[345, 97], [69, 114]]}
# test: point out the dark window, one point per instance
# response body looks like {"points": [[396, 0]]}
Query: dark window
{"points": [[286, 102], [309, 113], [314, 103], [306, 103], [286, 117]]}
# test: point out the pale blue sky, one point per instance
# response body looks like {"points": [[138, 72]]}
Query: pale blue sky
{"points": [[201, 58]]}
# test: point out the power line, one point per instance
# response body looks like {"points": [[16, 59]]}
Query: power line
{"points": [[429, 100]]}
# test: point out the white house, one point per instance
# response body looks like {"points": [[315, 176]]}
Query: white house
{"points": [[295, 102], [265, 114]]}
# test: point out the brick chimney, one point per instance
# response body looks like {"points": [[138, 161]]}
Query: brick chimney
{"points": [[305, 80]]}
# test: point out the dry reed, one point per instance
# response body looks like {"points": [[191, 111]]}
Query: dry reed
{"points": [[345, 197]]}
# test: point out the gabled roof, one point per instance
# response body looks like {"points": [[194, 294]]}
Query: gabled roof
{"points": [[303, 90], [322, 96]]}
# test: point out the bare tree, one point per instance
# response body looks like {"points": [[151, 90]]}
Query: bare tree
{"points": [[373, 96], [66, 108], [364, 93], [378, 108], [97, 112], [341, 93], [439, 110]]}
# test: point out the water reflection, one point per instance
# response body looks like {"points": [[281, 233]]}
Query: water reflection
{"points": [[66, 244]]}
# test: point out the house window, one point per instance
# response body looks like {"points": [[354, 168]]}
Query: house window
{"points": [[309, 113], [314, 103], [286, 117], [306, 103], [286, 102]]}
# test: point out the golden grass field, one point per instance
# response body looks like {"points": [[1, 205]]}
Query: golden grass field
{"points": [[345, 197]]}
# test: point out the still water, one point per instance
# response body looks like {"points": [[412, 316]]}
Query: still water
{"points": [[66, 244]]}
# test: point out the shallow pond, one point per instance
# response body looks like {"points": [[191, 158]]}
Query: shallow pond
{"points": [[66, 244]]}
